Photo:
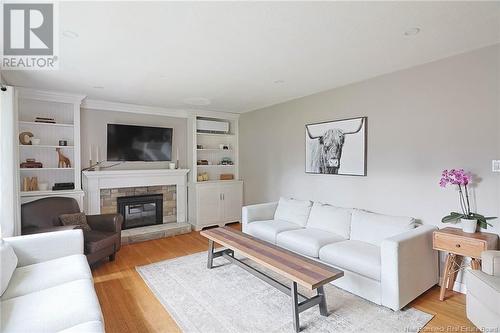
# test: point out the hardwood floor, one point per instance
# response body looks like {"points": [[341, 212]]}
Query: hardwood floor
{"points": [[129, 306]]}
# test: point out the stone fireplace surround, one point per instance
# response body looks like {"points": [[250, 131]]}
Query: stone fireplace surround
{"points": [[173, 182], [109, 198]]}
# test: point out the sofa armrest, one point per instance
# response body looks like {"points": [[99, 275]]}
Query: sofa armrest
{"points": [[490, 262], [409, 266], [35, 248], [36, 230], [105, 222], [258, 212]]}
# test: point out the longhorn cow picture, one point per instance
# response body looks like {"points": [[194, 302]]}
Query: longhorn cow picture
{"points": [[337, 147]]}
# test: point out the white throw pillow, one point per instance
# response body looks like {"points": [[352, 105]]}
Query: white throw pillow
{"points": [[374, 228], [294, 211], [8, 261], [330, 218]]}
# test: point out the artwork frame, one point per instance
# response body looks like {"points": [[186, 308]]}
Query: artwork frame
{"points": [[345, 151]]}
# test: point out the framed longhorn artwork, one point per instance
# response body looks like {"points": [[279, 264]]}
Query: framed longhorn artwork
{"points": [[337, 147]]}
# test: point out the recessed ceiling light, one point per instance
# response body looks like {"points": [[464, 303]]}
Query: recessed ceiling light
{"points": [[70, 34], [98, 87], [412, 31], [198, 101], [279, 81]]}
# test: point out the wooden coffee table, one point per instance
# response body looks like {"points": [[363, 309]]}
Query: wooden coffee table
{"points": [[299, 269]]}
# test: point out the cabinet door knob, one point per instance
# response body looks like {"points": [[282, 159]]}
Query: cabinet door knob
{"points": [[458, 245]]}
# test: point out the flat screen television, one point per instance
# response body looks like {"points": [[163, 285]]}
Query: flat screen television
{"points": [[139, 143]]}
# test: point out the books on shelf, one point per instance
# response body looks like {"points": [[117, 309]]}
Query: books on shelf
{"points": [[45, 120]]}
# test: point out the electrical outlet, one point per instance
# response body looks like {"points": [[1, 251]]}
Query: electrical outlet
{"points": [[495, 165]]}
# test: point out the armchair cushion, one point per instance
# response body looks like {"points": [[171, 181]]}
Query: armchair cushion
{"points": [[8, 259], [490, 262], [105, 222], [484, 287], [76, 219], [96, 240]]}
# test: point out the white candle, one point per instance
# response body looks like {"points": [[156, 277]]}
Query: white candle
{"points": [[97, 154], [90, 152], [177, 153]]}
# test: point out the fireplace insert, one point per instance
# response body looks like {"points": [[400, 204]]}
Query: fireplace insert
{"points": [[141, 210]]}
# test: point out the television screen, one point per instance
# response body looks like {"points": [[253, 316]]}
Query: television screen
{"points": [[139, 143]]}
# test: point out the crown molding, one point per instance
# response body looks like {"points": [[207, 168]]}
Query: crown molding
{"points": [[49, 95], [92, 104]]}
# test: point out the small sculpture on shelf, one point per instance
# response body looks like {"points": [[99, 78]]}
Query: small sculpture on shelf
{"points": [[25, 138], [202, 177], [226, 161], [64, 162], [30, 184]]}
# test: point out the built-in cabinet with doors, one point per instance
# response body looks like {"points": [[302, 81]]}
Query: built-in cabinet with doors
{"points": [[213, 198]]}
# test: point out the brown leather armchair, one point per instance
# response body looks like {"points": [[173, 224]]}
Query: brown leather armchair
{"points": [[104, 240]]}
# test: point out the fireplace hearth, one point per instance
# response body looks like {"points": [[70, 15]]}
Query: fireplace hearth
{"points": [[140, 210]]}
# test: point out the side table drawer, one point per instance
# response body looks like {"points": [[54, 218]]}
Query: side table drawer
{"points": [[462, 246]]}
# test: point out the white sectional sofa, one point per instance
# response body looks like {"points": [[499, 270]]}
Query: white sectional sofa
{"points": [[47, 285], [388, 260]]}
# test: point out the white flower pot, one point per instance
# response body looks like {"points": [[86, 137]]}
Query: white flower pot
{"points": [[469, 226]]}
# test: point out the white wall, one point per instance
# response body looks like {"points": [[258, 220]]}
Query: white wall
{"points": [[440, 115], [421, 120], [94, 132]]}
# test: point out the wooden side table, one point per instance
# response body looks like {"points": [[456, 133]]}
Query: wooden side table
{"points": [[459, 244]]}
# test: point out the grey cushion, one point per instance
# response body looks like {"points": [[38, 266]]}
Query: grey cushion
{"points": [[268, 230], [355, 256], [306, 241], [78, 219]]}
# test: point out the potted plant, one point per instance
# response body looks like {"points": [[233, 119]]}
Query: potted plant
{"points": [[470, 220]]}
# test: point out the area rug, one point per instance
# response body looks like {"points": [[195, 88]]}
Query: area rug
{"points": [[229, 299]]}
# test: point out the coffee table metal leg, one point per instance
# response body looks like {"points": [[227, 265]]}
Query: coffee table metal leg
{"points": [[295, 307], [322, 305], [210, 254]]}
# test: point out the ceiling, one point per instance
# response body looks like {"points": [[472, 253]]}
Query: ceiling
{"points": [[242, 56]]}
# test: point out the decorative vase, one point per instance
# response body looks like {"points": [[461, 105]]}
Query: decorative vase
{"points": [[469, 226]]}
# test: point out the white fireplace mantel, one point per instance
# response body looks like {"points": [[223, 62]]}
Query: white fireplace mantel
{"points": [[94, 181]]}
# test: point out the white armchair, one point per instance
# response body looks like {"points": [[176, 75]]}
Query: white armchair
{"points": [[483, 293]]}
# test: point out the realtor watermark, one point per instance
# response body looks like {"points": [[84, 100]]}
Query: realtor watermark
{"points": [[29, 36]]}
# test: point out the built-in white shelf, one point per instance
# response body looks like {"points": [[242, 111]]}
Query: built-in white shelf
{"points": [[215, 134], [45, 146], [45, 124], [44, 169], [214, 149], [48, 192], [216, 166]]}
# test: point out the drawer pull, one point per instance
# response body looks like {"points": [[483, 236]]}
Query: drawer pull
{"points": [[458, 245]]}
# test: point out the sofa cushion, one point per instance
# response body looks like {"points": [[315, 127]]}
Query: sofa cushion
{"points": [[8, 260], [330, 218], [291, 210], [97, 240], [306, 241], [374, 228], [47, 274], [485, 288], [52, 309], [76, 219], [268, 230], [355, 256]]}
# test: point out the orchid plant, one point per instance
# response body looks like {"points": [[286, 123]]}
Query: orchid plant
{"points": [[461, 179]]}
